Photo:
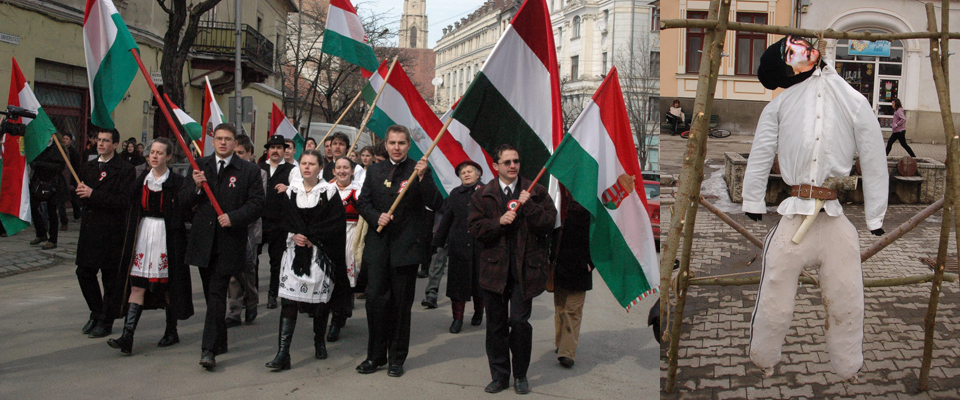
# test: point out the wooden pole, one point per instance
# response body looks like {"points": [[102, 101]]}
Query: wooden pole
{"points": [[784, 30], [733, 224], [349, 107], [905, 227], [176, 131], [937, 50], [426, 156], [67, 159], [690, 180], [373, 106]]}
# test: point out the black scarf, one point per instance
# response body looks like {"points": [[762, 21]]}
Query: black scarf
{"points": [[324, 225]]}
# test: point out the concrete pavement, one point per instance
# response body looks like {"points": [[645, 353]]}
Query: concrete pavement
{"points": [[44, 355]]}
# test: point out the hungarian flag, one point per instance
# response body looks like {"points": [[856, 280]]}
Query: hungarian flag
{"points": [[193, 129], [18, 152], [280, 125], [110, 65], [344, 37], [211, 116], [515, 98], [401, 103], [597, 162]]}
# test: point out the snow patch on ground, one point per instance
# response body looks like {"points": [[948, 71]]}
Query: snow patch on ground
{"points": [[715, 185]]}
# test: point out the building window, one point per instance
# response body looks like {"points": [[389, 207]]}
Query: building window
{"points": [[604, 61], [413, 36], [694, 42], [655, 64], [606, 19], [576, 27], [655, 19], [559, 36], [575, 68], [750, 46]]}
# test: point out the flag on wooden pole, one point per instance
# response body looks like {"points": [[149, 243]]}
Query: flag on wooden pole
{"points": [[110, 65], [401, 103], [192, 128], [344, 37], [210, 117], [597, 162], [280, 125], [18, 152]]}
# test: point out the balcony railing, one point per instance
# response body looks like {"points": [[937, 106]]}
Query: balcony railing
{"points": [[219, 39]]}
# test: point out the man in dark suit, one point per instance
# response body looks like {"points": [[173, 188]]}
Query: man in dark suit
{"points": [[216, 242], [512, 223], [274, 237], [391, 257], [105, 197]]}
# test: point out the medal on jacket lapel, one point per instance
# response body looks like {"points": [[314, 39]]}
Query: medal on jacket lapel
{"points": [[512, 205], [386, 183], [402, 185], [102, 175], [233, 182]]}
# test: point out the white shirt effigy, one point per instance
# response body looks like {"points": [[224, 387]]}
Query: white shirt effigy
{"points": [[818, 126]]}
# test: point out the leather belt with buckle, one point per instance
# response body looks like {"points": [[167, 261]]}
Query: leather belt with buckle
{"points": [[813, 192]]}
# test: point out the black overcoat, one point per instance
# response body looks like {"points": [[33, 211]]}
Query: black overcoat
{"points": [[239, 190], [401, 242], [272, 217], [180, 287], [535, 221], [574, 267], [454, 233], [104, 213]]}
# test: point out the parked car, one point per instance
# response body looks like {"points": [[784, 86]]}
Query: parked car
{"points": [[653, 207]]}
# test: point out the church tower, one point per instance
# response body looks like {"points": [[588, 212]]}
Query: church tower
{"points": [[413, 25]]}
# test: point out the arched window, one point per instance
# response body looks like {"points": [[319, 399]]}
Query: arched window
{"points": [[576, 27], [413, 36]]}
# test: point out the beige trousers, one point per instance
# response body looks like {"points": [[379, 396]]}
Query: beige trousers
{"points": [[569, 305], [832, 244]]}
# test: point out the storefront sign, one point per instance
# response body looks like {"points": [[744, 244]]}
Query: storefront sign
{"points": [[866, 48], [9, 38]]}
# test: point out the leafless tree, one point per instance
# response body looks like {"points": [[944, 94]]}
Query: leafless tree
{"points": [[183, 20], [639, 73]]}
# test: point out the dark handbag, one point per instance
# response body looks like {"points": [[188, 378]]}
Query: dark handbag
{"points": [[45, 191]]}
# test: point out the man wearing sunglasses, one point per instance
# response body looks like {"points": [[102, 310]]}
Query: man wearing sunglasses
{"points": [[512, 222], [818, 123]]}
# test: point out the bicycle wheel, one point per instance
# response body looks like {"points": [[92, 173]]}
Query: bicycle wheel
{"points": [[685, 134], [719, 133]]}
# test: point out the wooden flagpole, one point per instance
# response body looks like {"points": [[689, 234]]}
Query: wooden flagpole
{"points": [[373, 106], [183, 145], [426, 156], [67, 159]]}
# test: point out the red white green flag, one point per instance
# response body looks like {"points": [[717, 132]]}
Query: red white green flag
{"points": [[190, 126], [401, 103], [280, 125], [18, 152], [598, 163], [344, 37], [212, 116], [110, 65]]}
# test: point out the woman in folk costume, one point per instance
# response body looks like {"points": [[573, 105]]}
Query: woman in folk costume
{"points": [[453, 232], [312, 270], [158, 277], [349, 189], [816, 125]]}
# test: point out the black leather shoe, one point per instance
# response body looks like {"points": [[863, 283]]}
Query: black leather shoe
{"points": [[320, 351], [477, 319], [521, 386], [233, 322], [251, 316], [496, 387], [334, 334], [422, 274], [456, 326], [566, 361], [37, 241], [89, 326], [395, 371], [208, 360], [368, 367], [429, 303], [169, 338], [271, 302], [101, 330]]}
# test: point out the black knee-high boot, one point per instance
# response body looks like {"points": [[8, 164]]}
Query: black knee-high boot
{"points": [[125, 342], [319, 328], [170, 336], [282, 360]]}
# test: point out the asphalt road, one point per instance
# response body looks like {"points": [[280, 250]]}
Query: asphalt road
{"points": [[44, 355]]}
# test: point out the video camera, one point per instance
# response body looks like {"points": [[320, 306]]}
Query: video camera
{"points": [[15, 113]]}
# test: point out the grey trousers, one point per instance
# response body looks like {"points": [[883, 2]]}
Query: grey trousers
{"points": [[438, 265]]}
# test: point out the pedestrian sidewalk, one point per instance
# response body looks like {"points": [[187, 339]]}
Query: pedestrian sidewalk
{"points": [[18, 256]]}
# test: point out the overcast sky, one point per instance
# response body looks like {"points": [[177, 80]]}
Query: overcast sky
{"points": [[440, 13]]}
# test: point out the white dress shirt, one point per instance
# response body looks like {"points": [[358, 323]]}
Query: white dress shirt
{"points": [[817, 126], [504, 186]]}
